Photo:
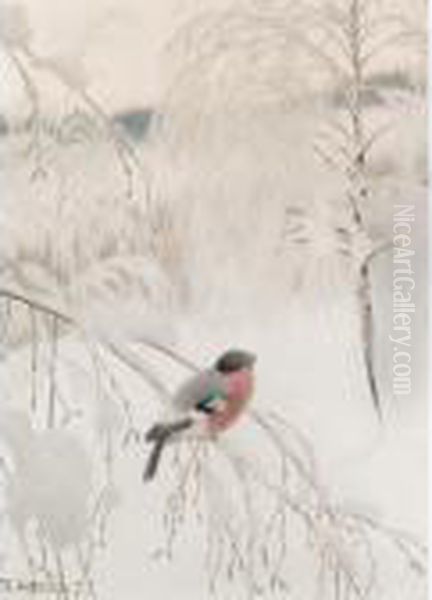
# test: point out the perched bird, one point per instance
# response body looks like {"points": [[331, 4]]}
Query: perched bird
{"points": [[211, 401]]}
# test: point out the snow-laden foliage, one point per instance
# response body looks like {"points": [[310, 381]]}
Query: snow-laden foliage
{"points": [[245, 218], [14, 27]]}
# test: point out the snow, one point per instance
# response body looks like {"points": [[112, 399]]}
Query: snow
{"points": [[235, 244]]}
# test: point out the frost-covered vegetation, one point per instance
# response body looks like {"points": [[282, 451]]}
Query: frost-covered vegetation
{"points": [[254, 211]]}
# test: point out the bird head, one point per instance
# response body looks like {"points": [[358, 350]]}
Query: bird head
{"points": [[234, 360]]}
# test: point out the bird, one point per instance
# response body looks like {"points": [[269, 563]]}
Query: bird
{"points": [[211, 401]]}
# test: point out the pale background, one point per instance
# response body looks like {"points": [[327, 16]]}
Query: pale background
{"points": [[306, 340]]}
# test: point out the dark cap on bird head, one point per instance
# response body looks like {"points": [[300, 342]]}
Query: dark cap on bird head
{"points": [[234, 360]]}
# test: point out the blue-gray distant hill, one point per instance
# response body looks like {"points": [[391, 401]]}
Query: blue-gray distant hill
{"points": [[135, 122]]}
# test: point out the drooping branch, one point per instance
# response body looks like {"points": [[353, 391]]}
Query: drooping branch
{"points": [[252, 544], [67, 319]]}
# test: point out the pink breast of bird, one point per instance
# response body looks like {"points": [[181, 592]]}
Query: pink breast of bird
{"points": [[239, 388]]}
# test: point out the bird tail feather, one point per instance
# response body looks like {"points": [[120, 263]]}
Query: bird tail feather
{"points": [[159, 434], [153, 461]]}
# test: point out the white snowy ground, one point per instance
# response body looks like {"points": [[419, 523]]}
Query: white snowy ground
{"points": [[308, 370]]}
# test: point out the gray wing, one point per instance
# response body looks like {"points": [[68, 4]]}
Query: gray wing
{"points": [[206, 385]]}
